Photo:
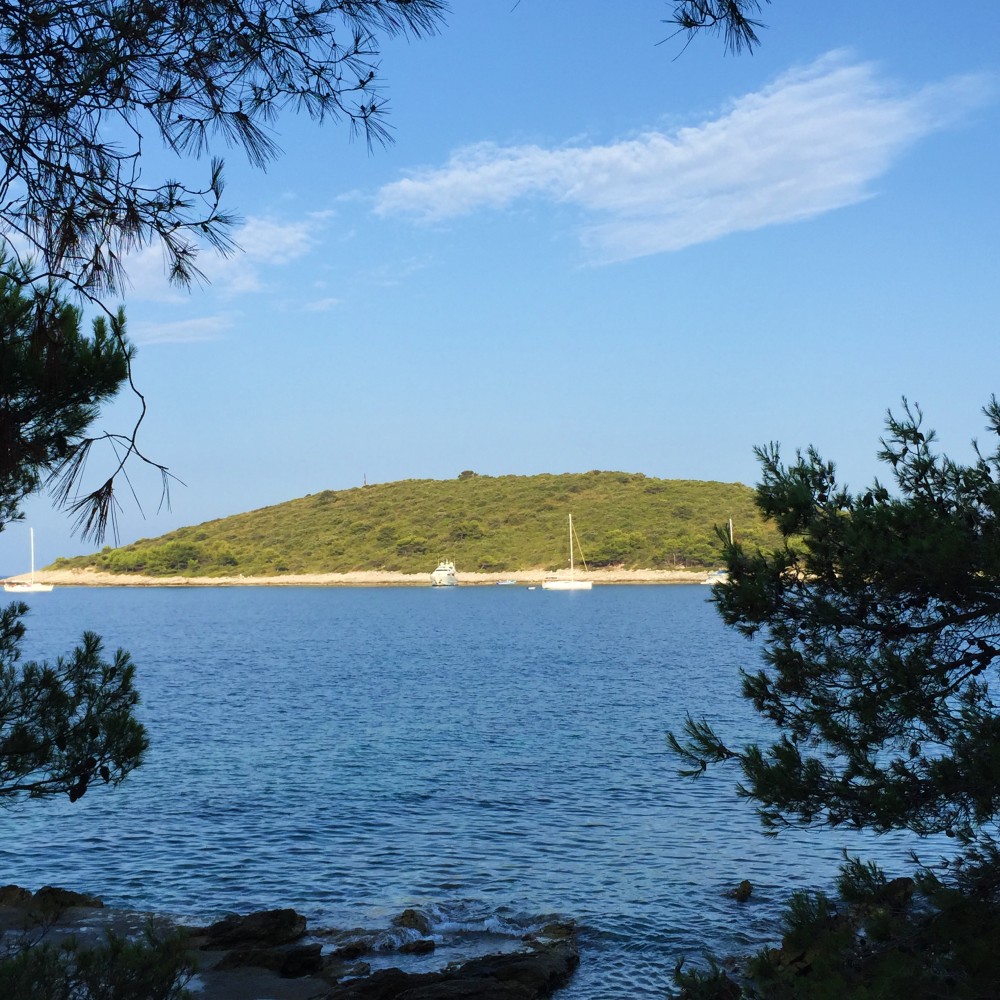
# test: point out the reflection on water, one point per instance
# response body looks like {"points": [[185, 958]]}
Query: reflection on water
{"points": [[495, 754]]}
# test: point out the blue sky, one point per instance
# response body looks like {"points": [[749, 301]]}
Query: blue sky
{"points": [[587, 250]]}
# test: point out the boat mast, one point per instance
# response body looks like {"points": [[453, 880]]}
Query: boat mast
{"points": [[571, 546], [31, 533]]}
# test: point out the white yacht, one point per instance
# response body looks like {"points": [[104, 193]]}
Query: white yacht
{"points": [[444, 575]]}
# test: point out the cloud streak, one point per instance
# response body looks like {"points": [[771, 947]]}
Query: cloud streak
{"points": [[265, 245], [187, 331], [813, 141]]}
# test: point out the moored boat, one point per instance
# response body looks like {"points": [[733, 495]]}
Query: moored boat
{"points": [[29, 586], [444, 575], [572, 583]]}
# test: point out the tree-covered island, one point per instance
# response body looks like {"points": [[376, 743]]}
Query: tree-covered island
{"points": [[484, 523]]}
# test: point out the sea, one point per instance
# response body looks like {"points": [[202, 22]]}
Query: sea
{"points": [[494, 756]]}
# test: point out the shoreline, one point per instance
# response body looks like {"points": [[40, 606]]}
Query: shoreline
{"points": [[276, 954], [360, 578]]}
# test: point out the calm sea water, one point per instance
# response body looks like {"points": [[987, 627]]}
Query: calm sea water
{"points": [[493, 754]]}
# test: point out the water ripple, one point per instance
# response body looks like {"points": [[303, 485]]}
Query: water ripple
{"points": [[497, 759]]}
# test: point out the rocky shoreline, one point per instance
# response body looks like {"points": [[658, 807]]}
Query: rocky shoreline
{"points": [[531, 577], [273, 953]]}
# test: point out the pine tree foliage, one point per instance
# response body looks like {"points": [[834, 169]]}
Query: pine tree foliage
{"points": [[67, 726], [87, 86], [53, 380], [84, 84], [880, 620], [733, 19]]}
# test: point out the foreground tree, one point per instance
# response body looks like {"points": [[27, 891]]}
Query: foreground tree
{"points": [[880, 618], [157, 966], [83, 83], [734, 19], [53, 379], [66, 726], [880, 621], [86, 85]]}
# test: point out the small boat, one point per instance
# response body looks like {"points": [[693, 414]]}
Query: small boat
{"points": [[28, 586], [444, 575], [719, 575], [572, 583], [506, 583]]}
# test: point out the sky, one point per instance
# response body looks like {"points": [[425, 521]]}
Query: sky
{"points": [[589, 247]]}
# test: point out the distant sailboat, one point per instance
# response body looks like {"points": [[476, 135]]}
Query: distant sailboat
{"points": [[29, 586], [719, 575], [571, 583]]}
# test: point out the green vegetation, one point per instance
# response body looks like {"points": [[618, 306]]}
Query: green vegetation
{"points": [[153, 967], [484, 523], [67, 726], [880, 633]]}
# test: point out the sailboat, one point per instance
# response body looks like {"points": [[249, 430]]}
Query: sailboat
{"points": [[719, 575], [571, 583], [28, 586]]}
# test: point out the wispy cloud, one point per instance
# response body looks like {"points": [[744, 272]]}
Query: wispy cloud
{"points": [[811, 142], [322, 305], [264, 244], [188, 331]]}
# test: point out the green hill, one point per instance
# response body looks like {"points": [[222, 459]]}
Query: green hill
{"points": [[483, 523]]}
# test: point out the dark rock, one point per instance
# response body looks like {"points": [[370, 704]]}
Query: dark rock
{"points": [[353, 949], [422, 946], [261, 958], [470, 989], [52, 899], [415, 920], [14, 895], [393, 984], [542, 971], [558, 930], [291, 962], [513, 976], [384, 984], [266, 928], [742, 892], [334, 970], [303, 960]]}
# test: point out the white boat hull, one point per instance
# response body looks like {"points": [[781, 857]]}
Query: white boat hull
{"points": [[444, 575], [572, 583]]}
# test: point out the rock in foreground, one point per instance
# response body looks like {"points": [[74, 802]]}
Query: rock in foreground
{"points": [[514, 976]]}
